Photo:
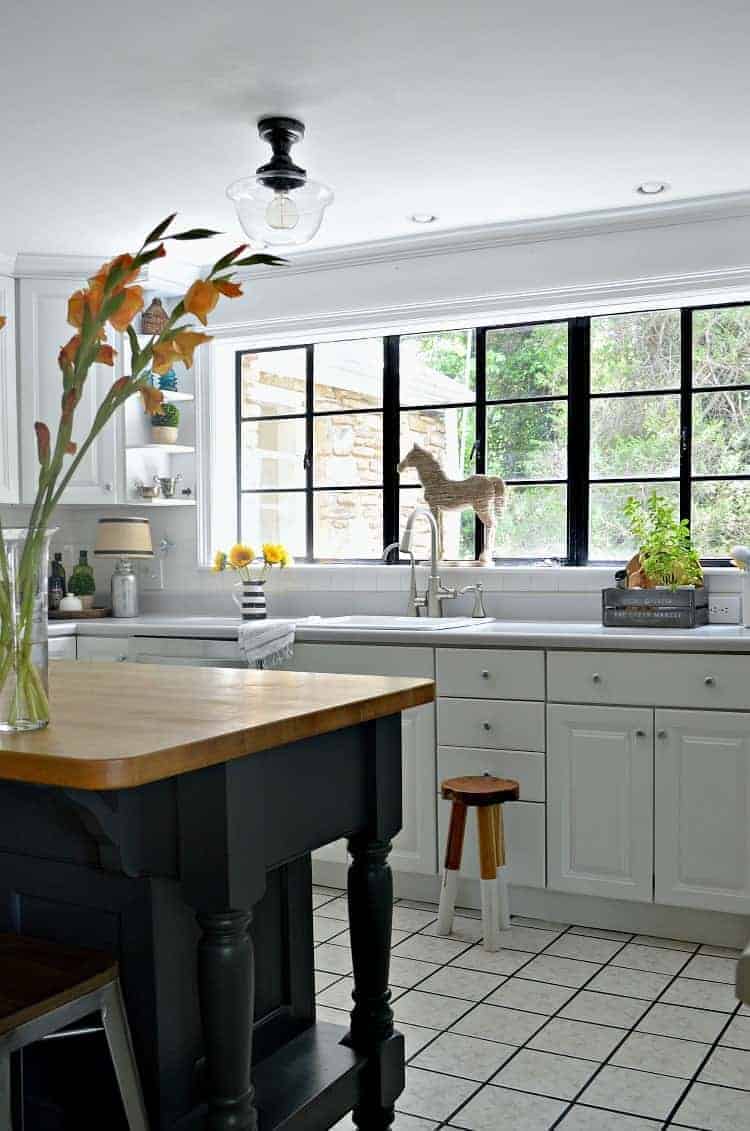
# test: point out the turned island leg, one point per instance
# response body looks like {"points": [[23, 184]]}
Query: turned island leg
{"points": [[226, 986], [370, 889]]}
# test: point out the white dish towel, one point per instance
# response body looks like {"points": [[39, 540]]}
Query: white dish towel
{"points": [[266, 643]]}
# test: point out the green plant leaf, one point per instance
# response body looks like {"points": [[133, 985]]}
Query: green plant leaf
{"points": [[159, 230], [195, 234], [270, 260]]}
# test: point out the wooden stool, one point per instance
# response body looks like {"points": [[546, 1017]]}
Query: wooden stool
{"points": [[44, 987], [486, 794]]}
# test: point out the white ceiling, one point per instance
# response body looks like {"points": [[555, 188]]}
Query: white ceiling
{"points": [[113, 115]]}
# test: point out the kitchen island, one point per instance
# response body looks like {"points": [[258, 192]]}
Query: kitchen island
{"points": [[169, 818]]}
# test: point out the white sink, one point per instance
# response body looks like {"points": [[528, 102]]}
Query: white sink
{"points": [[405, 624]]}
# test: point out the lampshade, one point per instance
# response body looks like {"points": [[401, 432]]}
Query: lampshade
{"points": [[123, 538]]}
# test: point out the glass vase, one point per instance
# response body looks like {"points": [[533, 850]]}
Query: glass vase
{"points": [[24, 701]]}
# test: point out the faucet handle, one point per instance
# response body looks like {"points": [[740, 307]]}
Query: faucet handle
{"points": [[478, 591]]}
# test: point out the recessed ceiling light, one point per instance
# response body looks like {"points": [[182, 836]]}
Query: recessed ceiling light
{"points": [[652, 188], [423, 218]]}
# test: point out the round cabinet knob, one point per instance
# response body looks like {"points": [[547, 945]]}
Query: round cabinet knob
{"points": [[121, 659], [108, 488], [486, 725], [596, 678], [710, 681], [640, 733], [661, 734], [485, 674]]}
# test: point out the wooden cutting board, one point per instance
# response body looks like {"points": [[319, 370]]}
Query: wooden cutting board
{"points": [[80, 614]]}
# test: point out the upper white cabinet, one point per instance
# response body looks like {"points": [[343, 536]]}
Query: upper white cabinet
{"points": [[702, 809], [44, 329], [600, 801], [8, 412]]}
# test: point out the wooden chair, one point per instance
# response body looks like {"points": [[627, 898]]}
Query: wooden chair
{"points": [[487, 795], [43, 988]]}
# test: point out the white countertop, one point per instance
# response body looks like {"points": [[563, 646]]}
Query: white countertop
{"points": [[485, 634]]}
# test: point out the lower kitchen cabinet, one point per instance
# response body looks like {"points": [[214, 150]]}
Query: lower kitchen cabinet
{"points": [[103, 648], [702, 808], [415, 847], [62, 648], [600, 801], [523, 820]]}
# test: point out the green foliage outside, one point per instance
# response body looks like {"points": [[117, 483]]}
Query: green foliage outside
{"points": [[630, 436]]}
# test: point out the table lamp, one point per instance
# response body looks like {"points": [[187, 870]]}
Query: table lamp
{"points": [[128, 540]]}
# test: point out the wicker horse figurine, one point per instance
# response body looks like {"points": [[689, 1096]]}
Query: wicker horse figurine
{"points": [[485, 493]]}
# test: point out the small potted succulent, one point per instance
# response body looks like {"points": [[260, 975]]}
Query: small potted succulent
{"points": [[83, 586], [165, 424]]}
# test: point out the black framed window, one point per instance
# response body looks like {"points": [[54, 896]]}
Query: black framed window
{"points": [[575, 415]]}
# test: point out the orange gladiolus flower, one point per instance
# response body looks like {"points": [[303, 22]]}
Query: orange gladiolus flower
{"points": [[67, 355], [152, 398], [2, 321], [130, 274], [165, 354], [228, 288], [186, 342], [128, 309], [106, 355], [201, 299]]}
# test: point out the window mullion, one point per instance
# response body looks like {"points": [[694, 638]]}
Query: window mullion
{"points": [[391, 439], [480, 427], [579, 438], [686, 411], [309, 456]]}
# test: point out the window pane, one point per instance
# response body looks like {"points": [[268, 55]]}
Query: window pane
{"points": [[532, 523], [348, 450], [721, 346], [721, 433], [348, 524], [272, 453], [458, 529], [721, 516], [447, 433], [274, 517], [528, 441], [348, 375], [632, 436], [273, 382], [527, 361], [635, 351], [438, 368], [609, 537]]}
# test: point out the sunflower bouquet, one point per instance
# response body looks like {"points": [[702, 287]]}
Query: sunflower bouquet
{"points": [[249, 566], [109, 303]]}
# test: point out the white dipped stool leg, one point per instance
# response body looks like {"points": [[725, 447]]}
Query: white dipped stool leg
{"points": [[486, 823], [503, 895], [453, 851]]}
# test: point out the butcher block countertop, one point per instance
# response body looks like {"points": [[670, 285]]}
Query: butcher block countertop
{"points": [[116, 726]]}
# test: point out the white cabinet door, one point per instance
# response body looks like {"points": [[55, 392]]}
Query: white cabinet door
{"points": [[702, 810], [43, 330], [600, 801], [103, 648], [415, 847], [61, 648], [9, 477]]}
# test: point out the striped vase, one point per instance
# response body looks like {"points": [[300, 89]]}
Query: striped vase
{"points": [[250, 598]]}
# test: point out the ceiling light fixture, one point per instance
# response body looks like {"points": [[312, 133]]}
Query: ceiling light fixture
{"points": [[652, 188], [280, 205], [423, 218]]}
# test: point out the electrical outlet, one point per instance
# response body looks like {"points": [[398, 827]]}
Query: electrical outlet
{"points": [[724, 608], [152, 574]]}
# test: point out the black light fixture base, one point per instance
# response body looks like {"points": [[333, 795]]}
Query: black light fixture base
{"points": [[280, 173]]}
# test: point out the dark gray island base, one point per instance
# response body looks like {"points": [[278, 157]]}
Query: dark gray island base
{"points": [[200, 883]]}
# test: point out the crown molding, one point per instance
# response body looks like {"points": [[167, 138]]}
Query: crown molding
{"points": [[637, 217], [166, 279], [615, 295]]}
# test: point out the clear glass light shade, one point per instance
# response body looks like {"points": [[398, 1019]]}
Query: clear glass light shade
{"points": [[280, 218]]}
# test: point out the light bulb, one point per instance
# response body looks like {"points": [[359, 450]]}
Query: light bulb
{"points": [[282, 213]]}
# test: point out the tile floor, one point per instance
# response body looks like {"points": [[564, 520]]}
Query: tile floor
{"points": [[566, 1026]]}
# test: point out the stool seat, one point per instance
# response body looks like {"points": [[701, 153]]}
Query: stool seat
{"points": [[46, 987], [480, 790]]}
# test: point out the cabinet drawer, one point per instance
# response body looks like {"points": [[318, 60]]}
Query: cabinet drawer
{"points": [[103, 648], [522, 766], [490, 673], [62, 648], [650, 678], [491, 724], [525, 838], [185, 652], [361, 659]]}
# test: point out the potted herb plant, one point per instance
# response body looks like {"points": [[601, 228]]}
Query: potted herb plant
{"points": [[83, 585], [662, 584], [165, 424]]}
